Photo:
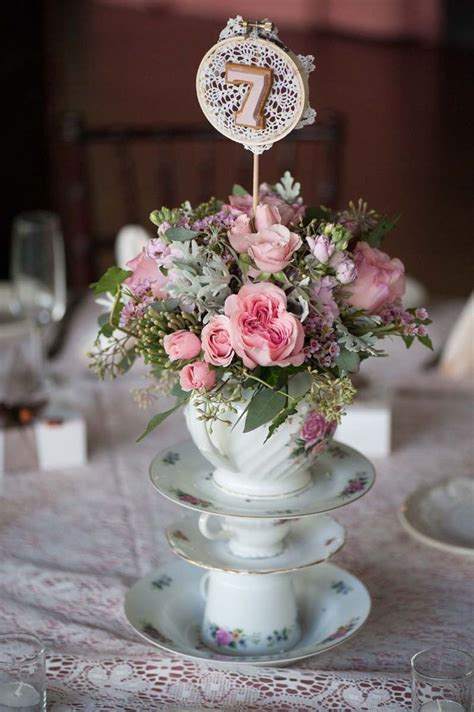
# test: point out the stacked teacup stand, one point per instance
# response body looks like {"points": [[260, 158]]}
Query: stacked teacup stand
{"points": [[252, 584]]}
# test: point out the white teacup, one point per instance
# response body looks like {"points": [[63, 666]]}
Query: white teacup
{"points": [[251, 614], [251, 538]]}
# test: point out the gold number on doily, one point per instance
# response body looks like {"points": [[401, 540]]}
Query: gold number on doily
{"points": [[259, 80]]}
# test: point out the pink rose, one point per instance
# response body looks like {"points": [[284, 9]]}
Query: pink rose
{"points": [[273, 248], [262, 331], [216, 341], [380, 280], [146, 272], [197, 376], [239, 234], [146, 268], [182, 344], [288, 213]]}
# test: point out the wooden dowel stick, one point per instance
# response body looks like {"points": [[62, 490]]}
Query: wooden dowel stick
{"points": [[255, 182]]}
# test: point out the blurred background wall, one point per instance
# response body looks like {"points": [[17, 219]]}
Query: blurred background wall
{"points": [[398, 72]]}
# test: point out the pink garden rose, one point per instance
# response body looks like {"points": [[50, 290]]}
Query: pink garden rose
{"points": [[182, 344], [380, 280], [216, 341], [272, 246], [197, 376], [262, 331]]}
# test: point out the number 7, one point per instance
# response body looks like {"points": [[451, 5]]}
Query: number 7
{"points": [[260, 81]]}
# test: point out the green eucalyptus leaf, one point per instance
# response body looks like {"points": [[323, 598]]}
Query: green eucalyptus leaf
{"points": [[126, 363], [111, 280], [426, 341], [106, 330], [157, 420], [348, 361], [238, 190], [264, 406], [385, 225], [165, 305], [180, 234], [280, 419], [155, 217]]}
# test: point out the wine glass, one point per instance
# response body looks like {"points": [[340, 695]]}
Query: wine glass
{"points": [[38, 267]]}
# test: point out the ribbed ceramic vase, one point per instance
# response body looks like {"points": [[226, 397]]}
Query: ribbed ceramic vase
{"points": [[248, 466]]}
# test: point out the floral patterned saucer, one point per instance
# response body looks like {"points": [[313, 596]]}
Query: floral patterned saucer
{"points": [[339, 476], [442, 515], [311, 540], [166, 609]]}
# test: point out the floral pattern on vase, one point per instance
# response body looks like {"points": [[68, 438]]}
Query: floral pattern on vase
{"points": [[314, 435], [342, 631], [237, 638], [341, 587], [232, 639], [162, 582], [191, 499], [356, 484]]}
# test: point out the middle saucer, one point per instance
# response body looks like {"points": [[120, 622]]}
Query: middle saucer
{"points": [[311, 540]]}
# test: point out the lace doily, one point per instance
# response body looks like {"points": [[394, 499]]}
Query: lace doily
{"points": [[286, 107]]}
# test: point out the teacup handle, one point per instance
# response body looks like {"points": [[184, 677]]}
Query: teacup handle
{"points": [[203, 585], [208, 531]]}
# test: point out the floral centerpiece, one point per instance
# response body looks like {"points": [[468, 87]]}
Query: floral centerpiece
{"points": [[274, 310]]}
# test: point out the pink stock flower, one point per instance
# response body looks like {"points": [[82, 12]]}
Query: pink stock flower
{"points": [[216, 342], [345, 268], [197, 376], [182, 344], [380, 280], [321, 247], [272, 246], [263, 332]]}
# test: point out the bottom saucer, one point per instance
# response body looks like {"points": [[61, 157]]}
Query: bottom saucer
{"points": [[166, 609]]}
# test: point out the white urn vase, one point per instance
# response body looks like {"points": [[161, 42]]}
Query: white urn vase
{"points": [[249, 465]]}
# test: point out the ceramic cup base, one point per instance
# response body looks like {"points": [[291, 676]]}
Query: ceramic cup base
{"points": [[240, 485]]}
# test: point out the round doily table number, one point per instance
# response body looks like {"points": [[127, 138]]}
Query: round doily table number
{"points": [[252, 90]]}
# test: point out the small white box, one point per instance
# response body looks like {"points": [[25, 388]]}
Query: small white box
{"points": [[60, 439], [367, 426]]}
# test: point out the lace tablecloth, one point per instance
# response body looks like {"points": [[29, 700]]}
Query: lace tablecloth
{"points": [[72, 542]]}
